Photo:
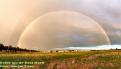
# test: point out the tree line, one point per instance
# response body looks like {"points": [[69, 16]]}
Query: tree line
{"points": [[14, 49]]}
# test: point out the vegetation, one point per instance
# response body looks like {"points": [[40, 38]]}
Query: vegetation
{"points": [[68, 60], [102, 59], [10, 48]]}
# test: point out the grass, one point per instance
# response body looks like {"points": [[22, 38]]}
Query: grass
{"points": [[68, 60]]}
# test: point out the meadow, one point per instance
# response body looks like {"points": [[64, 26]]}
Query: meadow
{"points": [[62, 60]]}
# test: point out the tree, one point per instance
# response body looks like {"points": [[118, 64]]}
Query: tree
{"points": [[1, 47], [10, 48]]}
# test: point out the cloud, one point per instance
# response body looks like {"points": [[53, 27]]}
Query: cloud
{"points": [[57, 29], [16, 15], [100, 47]]}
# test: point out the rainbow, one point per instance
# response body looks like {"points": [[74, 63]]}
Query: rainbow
{"points": [[98, 24]]}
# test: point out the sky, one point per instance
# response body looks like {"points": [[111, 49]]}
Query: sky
{"points": [[101, 47], [17, 15]]}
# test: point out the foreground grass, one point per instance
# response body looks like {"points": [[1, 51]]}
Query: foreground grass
{"points": [[69, 60]]}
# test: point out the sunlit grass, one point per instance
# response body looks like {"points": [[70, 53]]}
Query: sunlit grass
{"points": [[72, 60]]}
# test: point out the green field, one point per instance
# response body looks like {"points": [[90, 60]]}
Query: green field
{"points": [[68, 60]]}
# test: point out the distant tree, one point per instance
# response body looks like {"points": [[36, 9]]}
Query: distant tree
{"points": [[10, 48], [1, 47]]}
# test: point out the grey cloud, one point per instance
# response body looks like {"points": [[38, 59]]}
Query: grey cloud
{"points": [[107, 13]]}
